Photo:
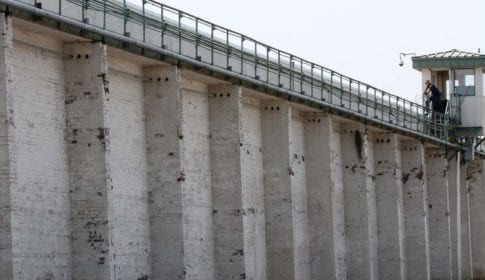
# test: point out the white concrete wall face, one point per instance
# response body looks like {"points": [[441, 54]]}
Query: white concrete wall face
{"points": [[415, 200], [453, 185], [439, 213], [39, 174], [276, 120], [359, 202], [179, 177], [6, 140], [237, 189], [323, 177], [129, 212], [87, 94], [389, 206], [476, 190], [114, 166]]}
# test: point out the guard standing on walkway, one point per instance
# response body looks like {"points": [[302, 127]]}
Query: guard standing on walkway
{"points": [[434, 95]]}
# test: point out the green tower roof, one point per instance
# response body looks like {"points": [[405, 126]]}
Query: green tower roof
{"points": [[449, 59]]}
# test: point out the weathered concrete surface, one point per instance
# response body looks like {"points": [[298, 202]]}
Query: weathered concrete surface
{"points": [[252, 187], [87, 94], [299, 197], [276, 119], [453, 185], [127, 160], [476, 188], [324, 176], [439, 213], [227, 201], [6, 149], [39, 186], [359, 203], [415, 199], [237, 187], [162, 102], [464, 242], [179, 176], [389, 206]]}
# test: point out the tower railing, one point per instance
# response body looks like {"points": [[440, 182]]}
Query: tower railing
{"points": [[180, 33]]}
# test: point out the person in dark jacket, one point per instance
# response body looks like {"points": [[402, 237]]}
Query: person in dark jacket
{"points": [[434, 95]]}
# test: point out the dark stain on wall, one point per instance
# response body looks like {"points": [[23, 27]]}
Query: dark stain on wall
{"points": [[358, 143], [420, 174], [405, 178]]}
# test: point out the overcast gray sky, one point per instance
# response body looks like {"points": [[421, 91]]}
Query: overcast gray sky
{"points": [[361, 39]]}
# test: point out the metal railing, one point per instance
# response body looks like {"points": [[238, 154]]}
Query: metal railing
{"points": [[183, 34]]}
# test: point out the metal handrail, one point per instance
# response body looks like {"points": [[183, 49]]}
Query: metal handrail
{"points": [[203, 41]]}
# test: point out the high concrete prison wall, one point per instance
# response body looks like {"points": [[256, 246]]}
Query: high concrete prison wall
{"points": [[118, 167]]}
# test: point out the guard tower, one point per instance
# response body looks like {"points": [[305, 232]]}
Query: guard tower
{"points": [[459, 76]]}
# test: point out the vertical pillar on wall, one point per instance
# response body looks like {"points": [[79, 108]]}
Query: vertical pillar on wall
{"points": [[324, 177], [275, 118], [360, 204], [104, 180], [285, 193], [389, 206], [465, 251], [87, 94], [237, 201], [180, 207], [453, 185], [7, 172], [415, 210], [460, 243], [299, 196], [476, 188], [439, 213], [460, 226]]}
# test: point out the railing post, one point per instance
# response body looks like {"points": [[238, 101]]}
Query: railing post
{"points": [[125, 11], [144, 21], [350, 94], [311, 81], [228, 50], [279, 68], [331, 87], [255, 60], [180, 15], [242, 54], [163, 27], [267, 64], [212, 44], [291, 72], [302, 76], [197, 40]]}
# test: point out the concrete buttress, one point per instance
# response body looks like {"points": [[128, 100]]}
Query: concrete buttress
{"points": [[6, 149], [237, 187], [177, 125], [107, 164], [389, 206], [463, 224], [86, 75], [325, 210], [476, 188], [439, 213], [359, 203], [415, 199], [453, 185], [285, 193]]}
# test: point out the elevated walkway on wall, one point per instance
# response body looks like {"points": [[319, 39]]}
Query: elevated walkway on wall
{"points": [[165, 33]]}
